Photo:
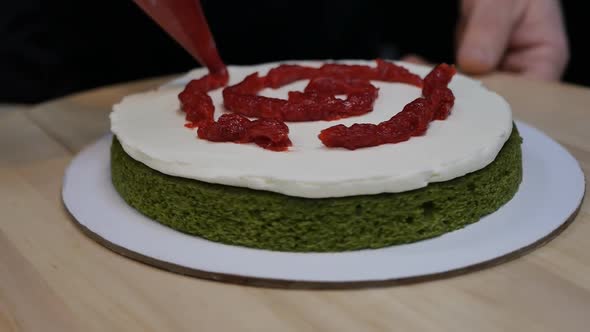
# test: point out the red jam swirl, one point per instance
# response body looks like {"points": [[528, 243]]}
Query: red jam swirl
{"points": [[318, 101]]}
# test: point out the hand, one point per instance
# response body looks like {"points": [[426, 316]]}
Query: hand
{"points": [[522, 36]]}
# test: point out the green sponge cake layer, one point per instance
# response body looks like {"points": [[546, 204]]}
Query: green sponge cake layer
{"points": [[267, 220]]}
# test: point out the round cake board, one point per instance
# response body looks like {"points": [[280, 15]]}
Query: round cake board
{"points": [[548, 199]]}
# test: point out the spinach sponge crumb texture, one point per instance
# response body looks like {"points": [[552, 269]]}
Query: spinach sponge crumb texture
{"points": [[272, 221]]}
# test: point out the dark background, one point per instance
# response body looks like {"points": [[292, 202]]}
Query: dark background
{"points": [[52, 48]]}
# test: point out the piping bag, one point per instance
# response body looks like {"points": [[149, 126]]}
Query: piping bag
{"points": [[185, 22]]}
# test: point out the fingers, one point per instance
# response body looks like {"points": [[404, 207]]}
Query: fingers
{"points": [[539, 47], [522, 36], [484, 33], [541, 63]]}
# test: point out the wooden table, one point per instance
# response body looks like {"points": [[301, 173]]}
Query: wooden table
{"points": [[53, 278]]}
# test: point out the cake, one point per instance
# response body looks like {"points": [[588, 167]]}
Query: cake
{"points": [[311, 198]]}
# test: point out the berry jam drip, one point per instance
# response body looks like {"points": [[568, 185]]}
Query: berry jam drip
{"points": [[195, 101], [317, 102], [269, 134], [435, 104]]}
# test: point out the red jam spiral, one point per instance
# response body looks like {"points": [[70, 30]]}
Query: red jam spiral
{"points": [[318, 101]]}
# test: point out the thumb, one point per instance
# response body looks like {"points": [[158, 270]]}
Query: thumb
{"points": [[484, 32]]}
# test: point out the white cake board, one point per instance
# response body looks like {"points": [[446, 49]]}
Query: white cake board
{"points": [[547, 200]]}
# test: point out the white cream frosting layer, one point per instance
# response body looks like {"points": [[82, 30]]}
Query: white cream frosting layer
{"points": [[150, 128]]}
